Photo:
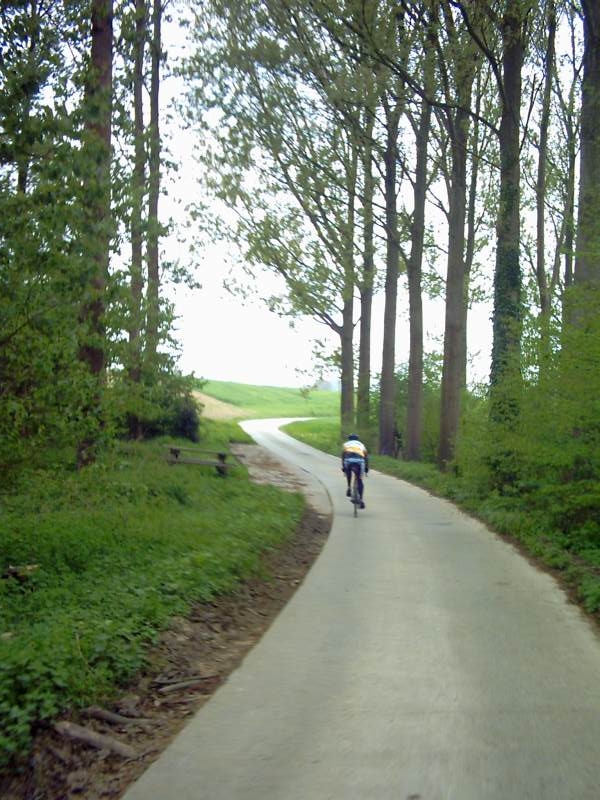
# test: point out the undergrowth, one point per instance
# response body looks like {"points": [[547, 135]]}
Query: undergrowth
{"points": [[114, 552]]}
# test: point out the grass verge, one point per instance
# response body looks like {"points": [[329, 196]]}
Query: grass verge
{"points": [[117, 550], [535, 520]]}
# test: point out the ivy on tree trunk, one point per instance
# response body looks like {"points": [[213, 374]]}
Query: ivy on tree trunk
{"points": [[507, 313], [98, 222]]}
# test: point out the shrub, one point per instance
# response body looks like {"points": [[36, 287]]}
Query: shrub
{"points": [[160, 404], [185, 421]]}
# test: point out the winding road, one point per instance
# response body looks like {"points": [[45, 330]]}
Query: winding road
{"points": [[423, 658]]}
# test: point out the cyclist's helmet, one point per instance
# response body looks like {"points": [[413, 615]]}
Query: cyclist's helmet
{"points": [[353, 438]]}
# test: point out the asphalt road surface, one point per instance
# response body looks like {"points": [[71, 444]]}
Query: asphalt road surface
{"points": [[423, 658]]}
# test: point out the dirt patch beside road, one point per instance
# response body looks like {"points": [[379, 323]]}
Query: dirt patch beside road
{"points": [[217, 409], [192, 659]]}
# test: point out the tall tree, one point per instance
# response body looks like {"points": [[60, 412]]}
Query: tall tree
{"points": [[587, 258], [363, 392], [349, 86], [281, 122], [154, 176], [545, 287], [97, 238], [396, 36], [137, 193], [568, 137], [458, 68], [393, 107], [506, 320], [414, 406]]}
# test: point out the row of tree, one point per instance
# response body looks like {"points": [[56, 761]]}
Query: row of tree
{"points": [[362, 142], [83, 324]]}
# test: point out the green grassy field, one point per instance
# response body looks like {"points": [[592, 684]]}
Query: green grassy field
{"points": [[272, 401], [116, 550]]}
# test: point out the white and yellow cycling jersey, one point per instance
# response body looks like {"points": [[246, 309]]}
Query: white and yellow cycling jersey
{"points": [[353, 449]]}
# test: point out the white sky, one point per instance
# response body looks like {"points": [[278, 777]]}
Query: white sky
{"points": [[223, 339]]}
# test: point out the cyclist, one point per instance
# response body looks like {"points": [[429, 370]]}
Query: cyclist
{"points": [[355, 458]]}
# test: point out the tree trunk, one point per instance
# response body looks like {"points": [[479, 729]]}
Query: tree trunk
{"points": [[587, 256], [98, 114], [347, 366], [567, 238], [387, 410], [414, 412], [454, 369], [570, 120], [570, 213], [473, 183], [153, 290], [455, 355], [505, 365], [366, 288], [540, 188], [138, 189], [347, 333]]}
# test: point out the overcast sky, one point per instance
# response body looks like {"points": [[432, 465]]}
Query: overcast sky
{"points": [[223, 339]]}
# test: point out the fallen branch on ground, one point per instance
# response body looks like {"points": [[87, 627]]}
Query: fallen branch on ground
{"points": [[175, 687], [114, 719], [98, 740]]}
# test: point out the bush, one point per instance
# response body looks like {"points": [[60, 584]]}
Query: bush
{"points": [[160, 405], [185, 421]]}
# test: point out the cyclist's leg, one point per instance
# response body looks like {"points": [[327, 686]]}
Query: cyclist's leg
{"points": [[359, 471], [348, 473], [361, 485], [353, 472]]}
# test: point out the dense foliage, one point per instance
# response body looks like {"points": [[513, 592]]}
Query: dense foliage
{"points": [[77, 361]]}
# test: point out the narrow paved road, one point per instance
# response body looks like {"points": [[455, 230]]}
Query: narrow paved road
{"points": [[422, 658]]}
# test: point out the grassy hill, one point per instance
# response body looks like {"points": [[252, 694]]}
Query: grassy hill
{"points": [[260, 402]]}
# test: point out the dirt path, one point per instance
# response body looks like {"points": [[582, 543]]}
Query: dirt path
{"points": [[203, 648]]}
